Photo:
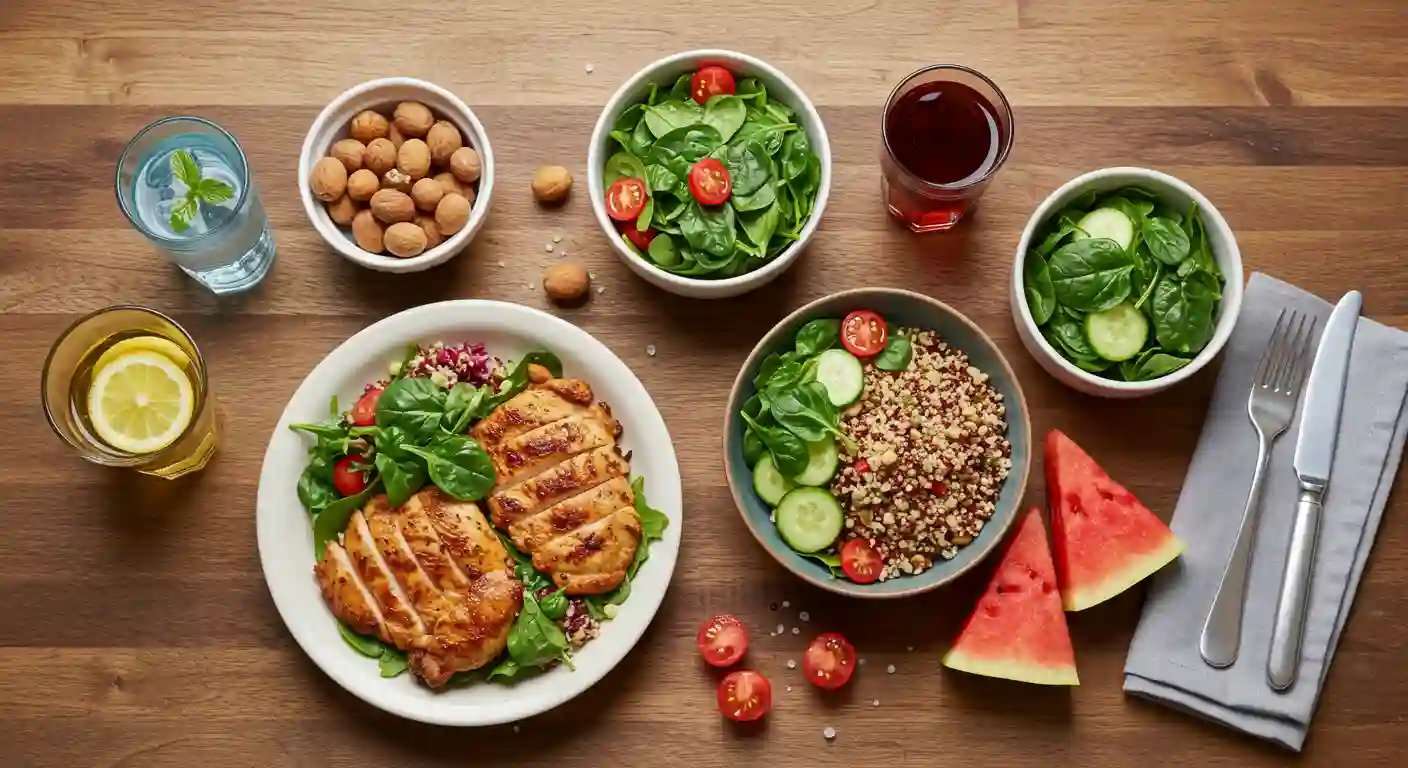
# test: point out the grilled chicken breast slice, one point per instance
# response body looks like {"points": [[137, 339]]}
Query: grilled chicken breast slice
{"points": [[529, 454], [592, 559], [473, 633], [532, 408], [402, 622], [464, 534], [533, 532], [567, 479], [346, 595]]}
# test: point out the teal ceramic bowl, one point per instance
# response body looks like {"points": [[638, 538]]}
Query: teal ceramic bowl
{"points": [[907, 309]]}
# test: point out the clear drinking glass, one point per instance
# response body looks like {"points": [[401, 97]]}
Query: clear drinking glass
{"points": [[80, 353], [225, 243], [946, 131]]}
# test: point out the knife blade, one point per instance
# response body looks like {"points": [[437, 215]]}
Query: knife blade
{"points": [[1315, 454]]}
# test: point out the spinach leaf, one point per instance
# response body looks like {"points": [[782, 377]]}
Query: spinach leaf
{"points": [[1151, 364], [671, 115], [1052, 241], [795, 151], [506, 669], [458, 465], [680, 90], [641, 140], [832, 562], [536, 641], [748, 167], [517, 379], [332, 521], [555, 605], [392, 662], [622, 165], [1070, 336], [653, 522], [788, 451], [416, 405], [789, 373], [710, 229], [1183, 312], [662, 251], [818, 336], [753, 448], [759, 226], [643, 219], [751, 90], [1091, 275], [461, 406], [314, 491], [658, 178], [403, 477], [896, 355], [725, 113], [629, 117], [370, 647], [681, 148], [1036, 282], [765, 196], [1166, 240], [1201, 253], [806, 411]]}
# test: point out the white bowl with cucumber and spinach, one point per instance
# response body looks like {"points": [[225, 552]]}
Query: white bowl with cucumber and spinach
{"points": [[1126, 282]]}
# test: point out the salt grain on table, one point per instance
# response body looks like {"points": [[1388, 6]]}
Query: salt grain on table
{"points": [[829, 733], [590, 69], [786, 604], [804, 616], [890, 669], [791, 664], [547, 247], [796, 630], [650, 350], [781, 629]]}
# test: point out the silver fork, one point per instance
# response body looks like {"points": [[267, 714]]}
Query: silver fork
{"points": [[1271, 406]]}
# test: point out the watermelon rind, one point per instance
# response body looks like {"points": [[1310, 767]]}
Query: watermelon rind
{"points": [[1138, 569], [1011, 670]]}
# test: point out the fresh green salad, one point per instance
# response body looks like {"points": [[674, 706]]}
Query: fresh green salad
{"points": [[712, 178], [409, 431], [1123, 286]]}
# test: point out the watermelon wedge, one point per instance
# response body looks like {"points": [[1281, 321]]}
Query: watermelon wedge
{"points": [[1105, 540], [1018, 630]]}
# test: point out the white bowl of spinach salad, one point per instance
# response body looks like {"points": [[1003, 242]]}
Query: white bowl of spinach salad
{"points": [[708, 172], [1126, 282]]}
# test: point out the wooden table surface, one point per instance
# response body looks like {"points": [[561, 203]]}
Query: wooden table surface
{"points": [[136, 628]]}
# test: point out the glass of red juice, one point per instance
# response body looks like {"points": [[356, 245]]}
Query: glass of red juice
{"points": [[947, 129]]}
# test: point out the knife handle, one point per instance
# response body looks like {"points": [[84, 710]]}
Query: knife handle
{"points": [[1294, 602]]}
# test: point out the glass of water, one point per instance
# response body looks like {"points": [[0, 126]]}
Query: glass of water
{"points": [[185, 184]]}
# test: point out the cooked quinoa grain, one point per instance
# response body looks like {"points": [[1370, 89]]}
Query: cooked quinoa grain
{"points": [[930, 457]]}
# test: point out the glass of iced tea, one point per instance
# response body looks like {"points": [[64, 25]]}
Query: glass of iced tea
{"points": [[126, 386], [946, 131]]}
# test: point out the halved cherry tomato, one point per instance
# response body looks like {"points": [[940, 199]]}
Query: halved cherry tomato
{"points": [[860, 562], [744, 695], [723, 640], [625, 199], [348, 479], [861, 466], [364, 412], [638, 238], [711, 81], [830, 661], [709, 182], [863, 333]]}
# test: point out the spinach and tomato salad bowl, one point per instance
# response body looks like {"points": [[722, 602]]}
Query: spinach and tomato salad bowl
{"points": [[1126, 282], [708, 172], [813, 343], [512, 335]]}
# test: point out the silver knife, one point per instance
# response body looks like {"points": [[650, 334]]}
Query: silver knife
{"points": [[1315, 452]]}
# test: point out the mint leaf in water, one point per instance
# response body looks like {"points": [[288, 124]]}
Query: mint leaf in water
{"points": [[182, 213], [185, 168], [214, 191]]}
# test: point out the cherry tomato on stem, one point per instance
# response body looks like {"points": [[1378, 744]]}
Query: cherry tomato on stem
{"points": [[711, 81], [863, 333], [860, 562], [709, 182], [830, 661], [625, 199], [744, 696], [723, 640], [348, 478], [364, 412]]}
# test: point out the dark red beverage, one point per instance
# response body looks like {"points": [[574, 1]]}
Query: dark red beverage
{"points": [[947, 130]]}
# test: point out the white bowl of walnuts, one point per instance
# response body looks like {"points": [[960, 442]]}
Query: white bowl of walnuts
{"points": [[396, 174]]}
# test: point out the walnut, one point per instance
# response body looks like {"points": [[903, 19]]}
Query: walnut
{"points": [[392, 206], [405, 239], [444, 140], [329, 180], [350, 152], [427, 193], [362, 185], [413, 119], [566, 281], [342, 210], [551, 183], [367, 231], [380, 156], [452, 214], [369, 125], [466, 165]]}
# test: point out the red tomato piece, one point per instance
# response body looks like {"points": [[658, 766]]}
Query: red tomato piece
{"points": [[862, 466], [744, 695], [863, 333], [723, 640], [625, 199], [709, 182], [348, 478], [860, 562], [939, 488], [640, 239], [711, 81], [829, 661], [364, 412]]}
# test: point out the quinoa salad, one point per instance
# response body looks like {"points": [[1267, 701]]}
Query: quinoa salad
{"points": [[879, 448]]}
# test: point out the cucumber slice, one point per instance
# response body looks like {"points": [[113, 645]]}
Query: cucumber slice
{"points": [[769, 483], [822, 460], [1118, 333], [1109, 223], [809, 519], [842, 374]]}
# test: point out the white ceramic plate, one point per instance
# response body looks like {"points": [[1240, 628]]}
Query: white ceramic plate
{"points": [[286, 538]]}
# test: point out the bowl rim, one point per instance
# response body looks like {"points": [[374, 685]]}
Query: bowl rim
{"points": [[596, 161], [345, 245], [766, 345], [1232, 289]]}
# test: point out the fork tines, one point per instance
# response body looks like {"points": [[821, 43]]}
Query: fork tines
{"points": [[1286, 360]]}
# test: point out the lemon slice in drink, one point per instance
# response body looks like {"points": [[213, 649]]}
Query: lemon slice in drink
{"points": [[140, 402], [157, 344]]}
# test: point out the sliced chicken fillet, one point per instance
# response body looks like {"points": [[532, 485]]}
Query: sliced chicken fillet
{"points": [[473, 633], [402, 622], [346, 595], [569, 478], [535, 531], [532, 453], [466, 535], [592, 559], [531, 409], [420, 534]]}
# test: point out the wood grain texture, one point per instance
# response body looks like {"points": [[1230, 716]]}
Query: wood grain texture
{"points": [[137, 629]]}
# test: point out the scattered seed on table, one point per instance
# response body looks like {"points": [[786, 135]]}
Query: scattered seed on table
{"points": [[781, 629], [875, 703], [547, 247], [501, 263], [515, 729], [909, 648], [791, 664], [600, 290], [650, 350], [796, 630], [829, 733], [890, 669], [786, 603], [557, 238], [804, 616], [862, 661], [789, 689], [590, 69]]}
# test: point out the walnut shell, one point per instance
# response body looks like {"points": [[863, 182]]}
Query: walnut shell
{"points": [[466, 165], [452, 214], [329, 180], [413, 119], [350, 152], [432, 230], [368, 232], [427, 193], [450, 184], [342, 210], [566, 281], [380, 156], [362, 185], [551, 183], [392, 206], [395, 136], [414, 158], [394, 179], [369, 125], [444, 140], [405, 239]]}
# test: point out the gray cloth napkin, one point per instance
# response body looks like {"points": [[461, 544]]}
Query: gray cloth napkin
{"points": [[1163, 663]]}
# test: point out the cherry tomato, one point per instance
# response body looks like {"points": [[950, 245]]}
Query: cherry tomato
{"points": [[364, 412], [744, 695], [863, 333], [625, 199], [348, 478], [830, 661], [711, 81], [709, 182], [723, 640], [860, 562], [638, 238], [861, 466]]}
